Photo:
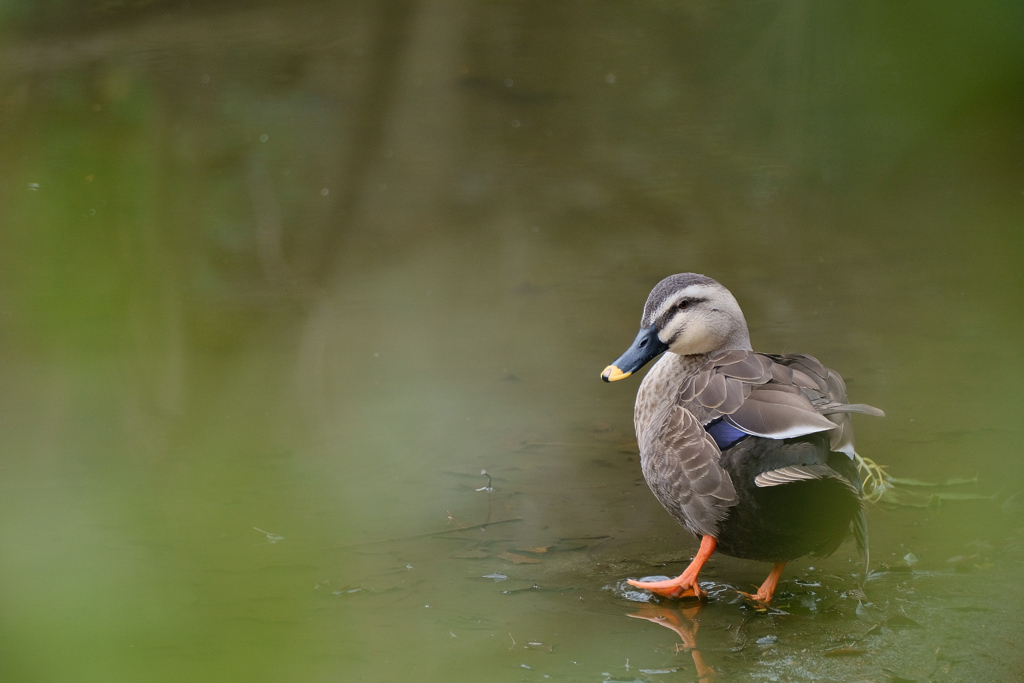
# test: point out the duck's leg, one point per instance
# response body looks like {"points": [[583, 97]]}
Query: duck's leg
{"points": [[685, 585], [767, 590]]}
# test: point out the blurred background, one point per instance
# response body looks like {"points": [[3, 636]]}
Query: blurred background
{"points": [[279, 280]]}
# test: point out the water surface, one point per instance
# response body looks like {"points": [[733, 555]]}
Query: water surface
{"points": [[278, 282]]}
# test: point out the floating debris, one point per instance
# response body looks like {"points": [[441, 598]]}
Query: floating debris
{"points": [[902, 621], [884, 489], [874, 480], [539, 550], [271, 538], [857, 594], [1014, 505], [516, 558], [873, 631], [955, 481], [896, 678]]}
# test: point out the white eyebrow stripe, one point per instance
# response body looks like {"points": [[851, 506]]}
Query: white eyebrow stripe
{"points": [[691, 292]]}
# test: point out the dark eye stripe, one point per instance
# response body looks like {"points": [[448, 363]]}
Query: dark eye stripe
{"points": [[672, 310]]}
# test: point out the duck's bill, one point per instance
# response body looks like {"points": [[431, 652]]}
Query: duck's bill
{"points": [[644, 348]]}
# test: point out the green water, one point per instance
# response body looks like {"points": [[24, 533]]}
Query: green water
{"points": [[279, 280]]}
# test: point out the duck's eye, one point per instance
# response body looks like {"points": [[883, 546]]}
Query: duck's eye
{"points": [[683, 305]]}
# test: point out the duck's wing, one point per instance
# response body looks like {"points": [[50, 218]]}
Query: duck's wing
{"points": [[823, 386], [826, 391], [681, 465], [777, 397]]}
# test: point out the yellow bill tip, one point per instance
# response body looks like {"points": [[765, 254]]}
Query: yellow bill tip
{"points": [[613, 374]]}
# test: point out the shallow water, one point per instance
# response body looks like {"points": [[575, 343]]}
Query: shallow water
{"points": [[279, 282]]}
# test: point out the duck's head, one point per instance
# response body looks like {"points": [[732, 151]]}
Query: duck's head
{"points": [[687, 314]]}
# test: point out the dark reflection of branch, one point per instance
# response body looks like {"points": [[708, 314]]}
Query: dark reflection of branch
{"points": [[188, 56], [394, 26], [682, 620], [267, 213]]}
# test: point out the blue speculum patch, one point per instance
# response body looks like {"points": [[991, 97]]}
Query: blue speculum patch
{"points": [[724, 434]]}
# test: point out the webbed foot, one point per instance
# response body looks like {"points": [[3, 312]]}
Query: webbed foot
{"points": [[681, 587], [764, 594]]}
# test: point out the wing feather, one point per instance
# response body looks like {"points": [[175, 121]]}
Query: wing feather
{"points": [[747, 367], [862, 408], [773, 396], [775, 420], [699, 381], [715, 392], [736, 394], [681, 464], [794, 473]]}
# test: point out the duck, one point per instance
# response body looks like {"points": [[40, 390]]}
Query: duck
{"points": [[752, 453]]}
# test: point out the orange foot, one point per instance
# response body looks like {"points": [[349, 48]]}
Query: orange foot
{"points": [[758, 600], [764, 594], [679, 587], [685, 585]]}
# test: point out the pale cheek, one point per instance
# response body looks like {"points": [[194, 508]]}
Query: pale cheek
{"points": [[696, 339]]}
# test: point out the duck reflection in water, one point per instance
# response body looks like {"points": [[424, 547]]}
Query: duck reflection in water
{"points": [[682, 620]]}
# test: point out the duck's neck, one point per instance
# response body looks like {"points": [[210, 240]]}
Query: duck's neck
{"points": [[739, 339], [682, 367]]}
